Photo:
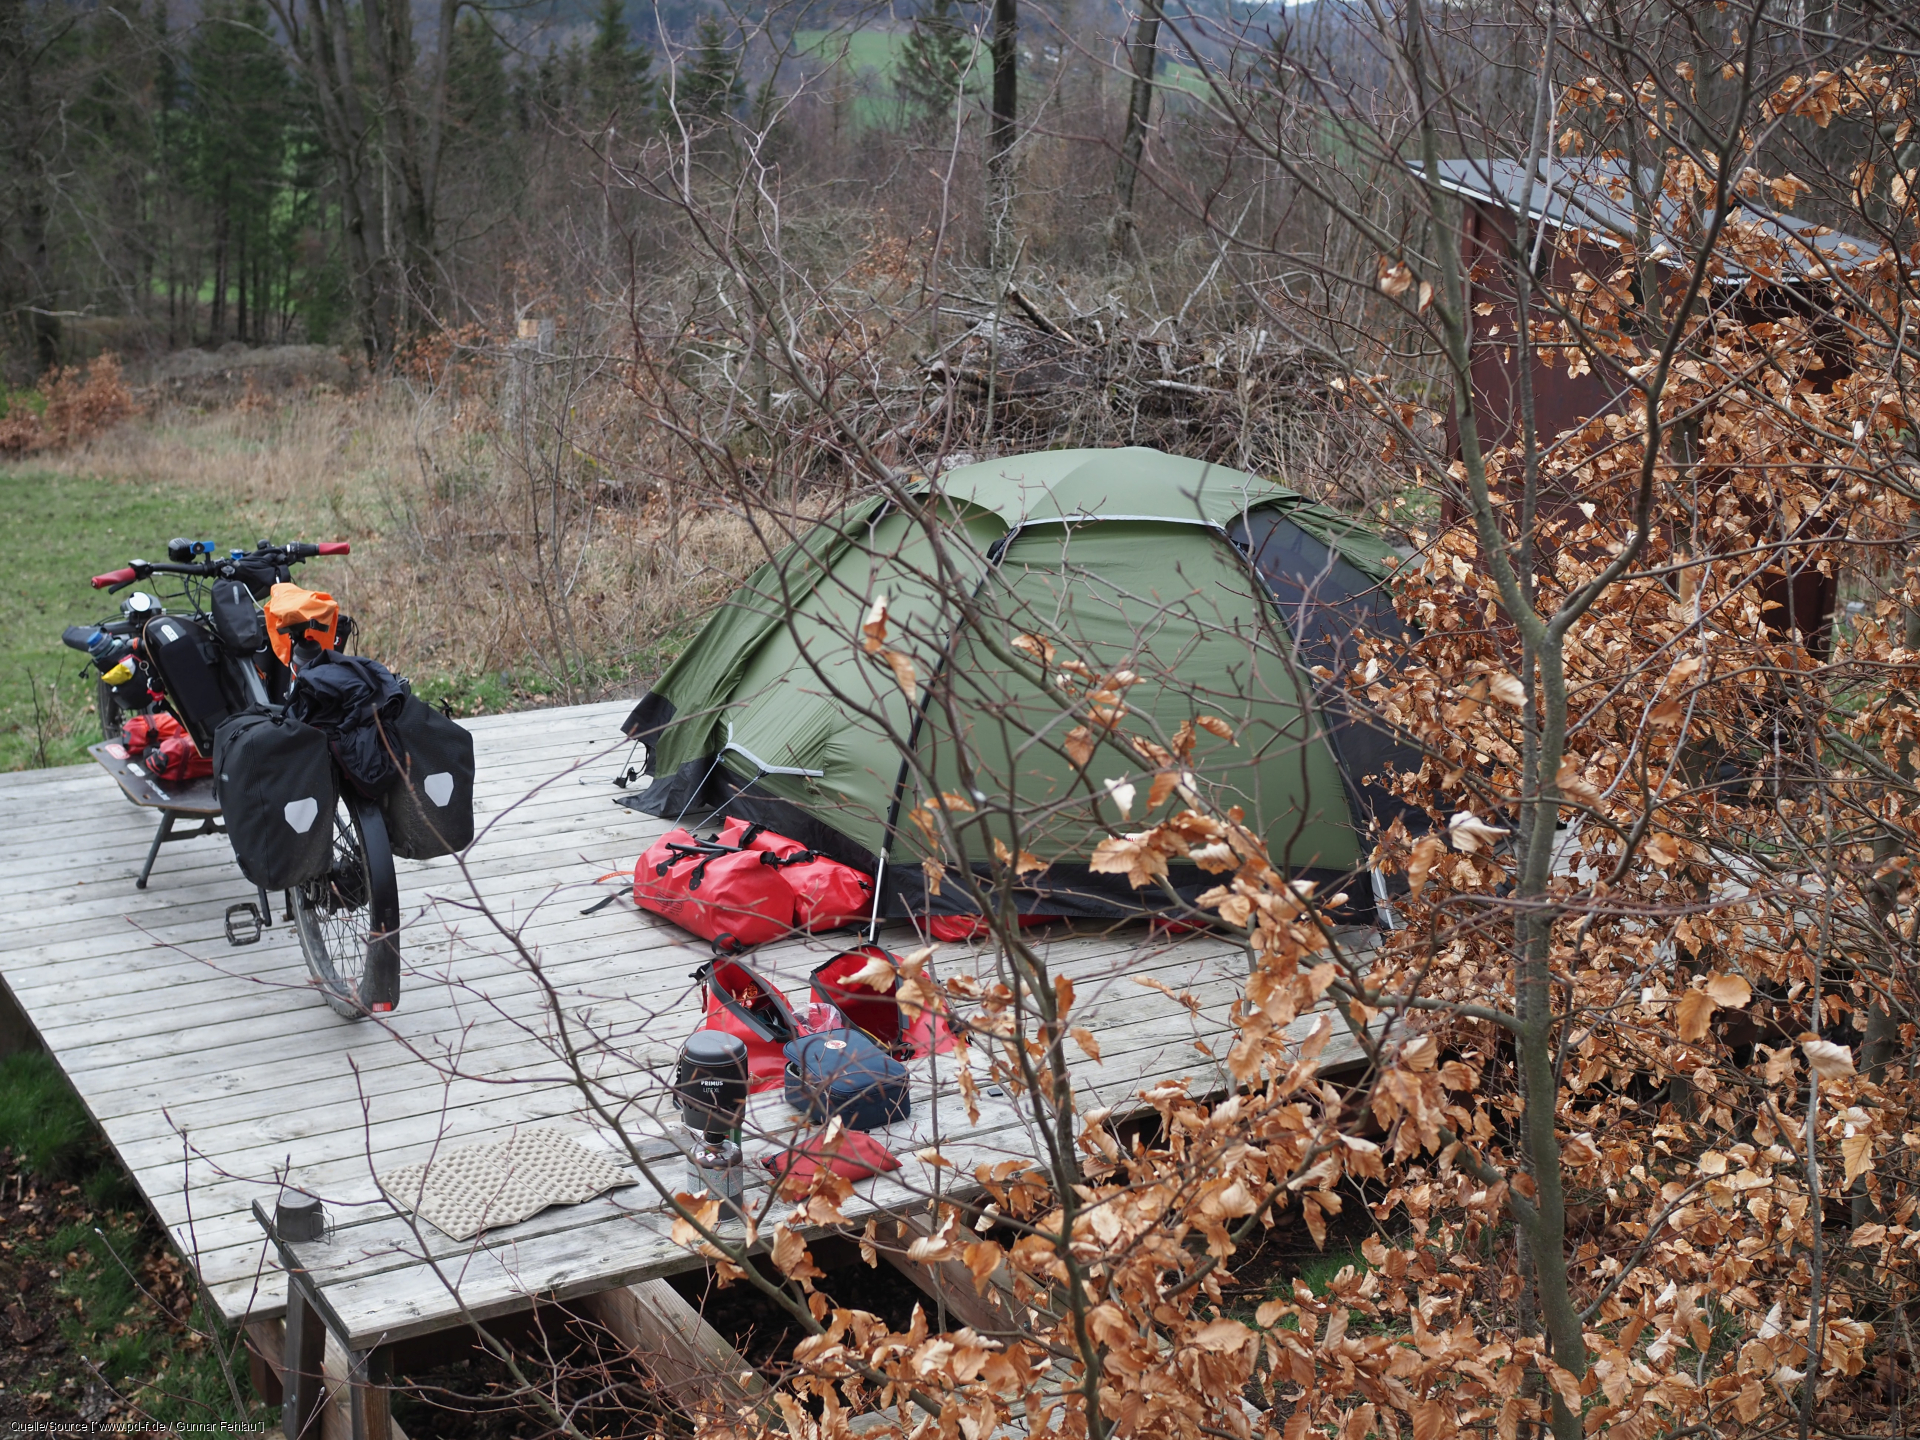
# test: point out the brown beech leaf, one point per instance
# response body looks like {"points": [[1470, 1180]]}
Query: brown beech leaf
{"points": [[1426, 850], [1663, 849], [1023, 863], [1037, 646], [1470, 833], [873, 630], [790, 1254], [1507, 689], [1829, 1061], [1729, 992], [1083, 1037], [1570, 782], [1135, 856], [982, 1257], [904, 675], [1079, 746], [1694, 1014], [1162, 787], [1214, 725], [1394, 278], [705, 1212], [877, 974], [1222, 1335], [1568, 1385], [1857, 1151]]}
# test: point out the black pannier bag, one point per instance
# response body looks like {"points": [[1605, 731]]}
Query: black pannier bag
{"points": [[274, 778], [237, 619], [429, 810], [187, 661]]}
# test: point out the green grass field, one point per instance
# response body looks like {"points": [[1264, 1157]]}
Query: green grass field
{"points": [[869, 58], [60, 531]]}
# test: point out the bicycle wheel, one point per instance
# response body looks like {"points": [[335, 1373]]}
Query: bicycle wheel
{"points": [[112, 713], [348, 920]]}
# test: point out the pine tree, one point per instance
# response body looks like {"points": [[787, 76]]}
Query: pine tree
{"points": [[241, 108], [936, 63], [711, 87], [478, 98], [619, 72]]}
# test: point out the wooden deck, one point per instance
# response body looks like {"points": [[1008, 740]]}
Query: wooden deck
{"points": [[215, 1070]]}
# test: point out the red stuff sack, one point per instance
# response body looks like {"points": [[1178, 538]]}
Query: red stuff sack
{"points": [[975, 927], [176, 758], [729, 896], [137, 732], [912, 1030], [875, 1011], [827, 895], [740, 1001]]}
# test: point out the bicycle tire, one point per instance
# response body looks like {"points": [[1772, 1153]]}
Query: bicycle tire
{"points": [[348, 920], [113, 715]]}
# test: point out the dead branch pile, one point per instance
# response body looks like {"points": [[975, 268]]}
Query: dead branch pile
{"points": [[1022, 380]]}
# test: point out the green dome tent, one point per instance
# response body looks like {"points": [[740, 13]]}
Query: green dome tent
{"points": [[1024, 598]]}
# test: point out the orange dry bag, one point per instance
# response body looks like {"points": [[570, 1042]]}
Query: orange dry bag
{"points": [[288, 603]]}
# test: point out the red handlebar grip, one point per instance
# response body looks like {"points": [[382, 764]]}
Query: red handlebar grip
{"points": [[335, 547], [115, 577]]}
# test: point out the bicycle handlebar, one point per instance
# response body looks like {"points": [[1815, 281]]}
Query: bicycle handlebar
{"points": [[283, 554]]}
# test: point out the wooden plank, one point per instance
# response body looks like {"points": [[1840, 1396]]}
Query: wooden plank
{"points": [[948, 1283], [685, 1355]]}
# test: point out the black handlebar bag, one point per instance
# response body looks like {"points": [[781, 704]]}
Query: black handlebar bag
{"points": [[274, 777], [237, 619], [187, 660], [429, 810]]}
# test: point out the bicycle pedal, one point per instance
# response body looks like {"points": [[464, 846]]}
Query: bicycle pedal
{"points": [[244, 923]]}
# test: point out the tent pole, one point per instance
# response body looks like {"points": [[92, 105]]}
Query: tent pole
{"points": [[995, 553]]}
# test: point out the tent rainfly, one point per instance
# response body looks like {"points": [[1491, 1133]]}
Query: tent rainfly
{"points": [[1025, 595]]}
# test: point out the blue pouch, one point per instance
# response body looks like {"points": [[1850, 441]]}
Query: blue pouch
{"points": [[846, 1073]]}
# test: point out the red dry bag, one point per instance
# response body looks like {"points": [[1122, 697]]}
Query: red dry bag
{"points": [[176, 758], [729, 896], [137, 732], [740, 1001], [827, 895]]}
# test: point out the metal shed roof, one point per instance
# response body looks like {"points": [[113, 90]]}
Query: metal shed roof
{"points": [[1595, 195]]}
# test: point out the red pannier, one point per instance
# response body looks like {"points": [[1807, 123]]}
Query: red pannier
{"points": [[740, 1001], [827, 895], [729, 896]]}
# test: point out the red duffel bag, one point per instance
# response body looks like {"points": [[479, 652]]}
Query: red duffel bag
{"points": [[827, 895], [729, 896], [740, 1001]]}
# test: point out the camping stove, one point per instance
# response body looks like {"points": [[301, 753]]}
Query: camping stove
{"points": [[710, 1087]]}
